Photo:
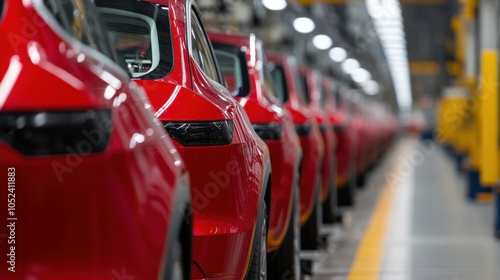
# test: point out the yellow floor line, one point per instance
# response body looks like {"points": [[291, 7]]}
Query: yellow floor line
{"points": [[368, 261]]}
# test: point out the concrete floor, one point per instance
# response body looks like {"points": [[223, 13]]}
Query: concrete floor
{"points": [[432, 231]]}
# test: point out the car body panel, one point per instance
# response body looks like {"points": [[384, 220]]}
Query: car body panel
{"points": [[86, 215], [360, 127], [228, 182], [311, 144], [317, 106], [263, 109], [345, 152]]}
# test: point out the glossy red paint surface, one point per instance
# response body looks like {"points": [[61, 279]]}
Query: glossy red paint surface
{"points": [[373, 133], [360, 126], [263, 109], [375, 127], [227, 182], [312, 143], [338, 112], [317, 104], [84, 216]]}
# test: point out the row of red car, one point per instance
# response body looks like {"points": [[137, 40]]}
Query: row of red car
{"points": [[138, 149]]}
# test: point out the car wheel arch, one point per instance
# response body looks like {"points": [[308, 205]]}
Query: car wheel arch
{"points": [[267, 187], [180, 229]]}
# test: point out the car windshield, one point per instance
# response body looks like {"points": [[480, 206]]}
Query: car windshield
{"points": [[140, 33], [232, 63]]}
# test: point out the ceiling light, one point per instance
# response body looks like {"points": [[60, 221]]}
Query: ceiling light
{"points": [[388, 21], [303, 25], [322, 42], [350, 65], [337, 54], [274, 5], [371, 87], [360, 75]]}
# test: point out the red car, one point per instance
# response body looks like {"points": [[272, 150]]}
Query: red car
{"points": [[383, 128], [389, 127], [374, 127], [315, 98], [345, 152], [286, 79], [96, 190], [360, 126], [241, 59], [165, 46]]}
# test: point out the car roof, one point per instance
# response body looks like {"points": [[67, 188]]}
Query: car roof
{"points": [[230, 37]]}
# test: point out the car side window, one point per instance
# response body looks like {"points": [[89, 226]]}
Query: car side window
{"points": [[337, 97], [322, 92], [201, 50], [271, 89], [279, 80], [230, 66], [79, 19], [2, 3]]}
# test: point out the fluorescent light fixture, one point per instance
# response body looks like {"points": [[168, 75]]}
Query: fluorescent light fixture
{"points": [[391, 32], [388, 22], [337, 54], [360, 75], [391, 29], [396, 50], [349, 65], [322, 42], [392, 37], [394, 45], [274, 5], [303, 25], [371, 87]]}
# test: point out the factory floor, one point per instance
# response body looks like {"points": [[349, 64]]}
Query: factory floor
{"points": [[412, 221]]}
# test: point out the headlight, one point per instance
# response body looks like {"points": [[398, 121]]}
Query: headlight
{"points": [[268, 131], [53, 133], [213, 133], [303, 129]]}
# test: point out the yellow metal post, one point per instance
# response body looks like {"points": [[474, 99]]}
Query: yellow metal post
{"points": [[488, 116], [488, 93]]}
